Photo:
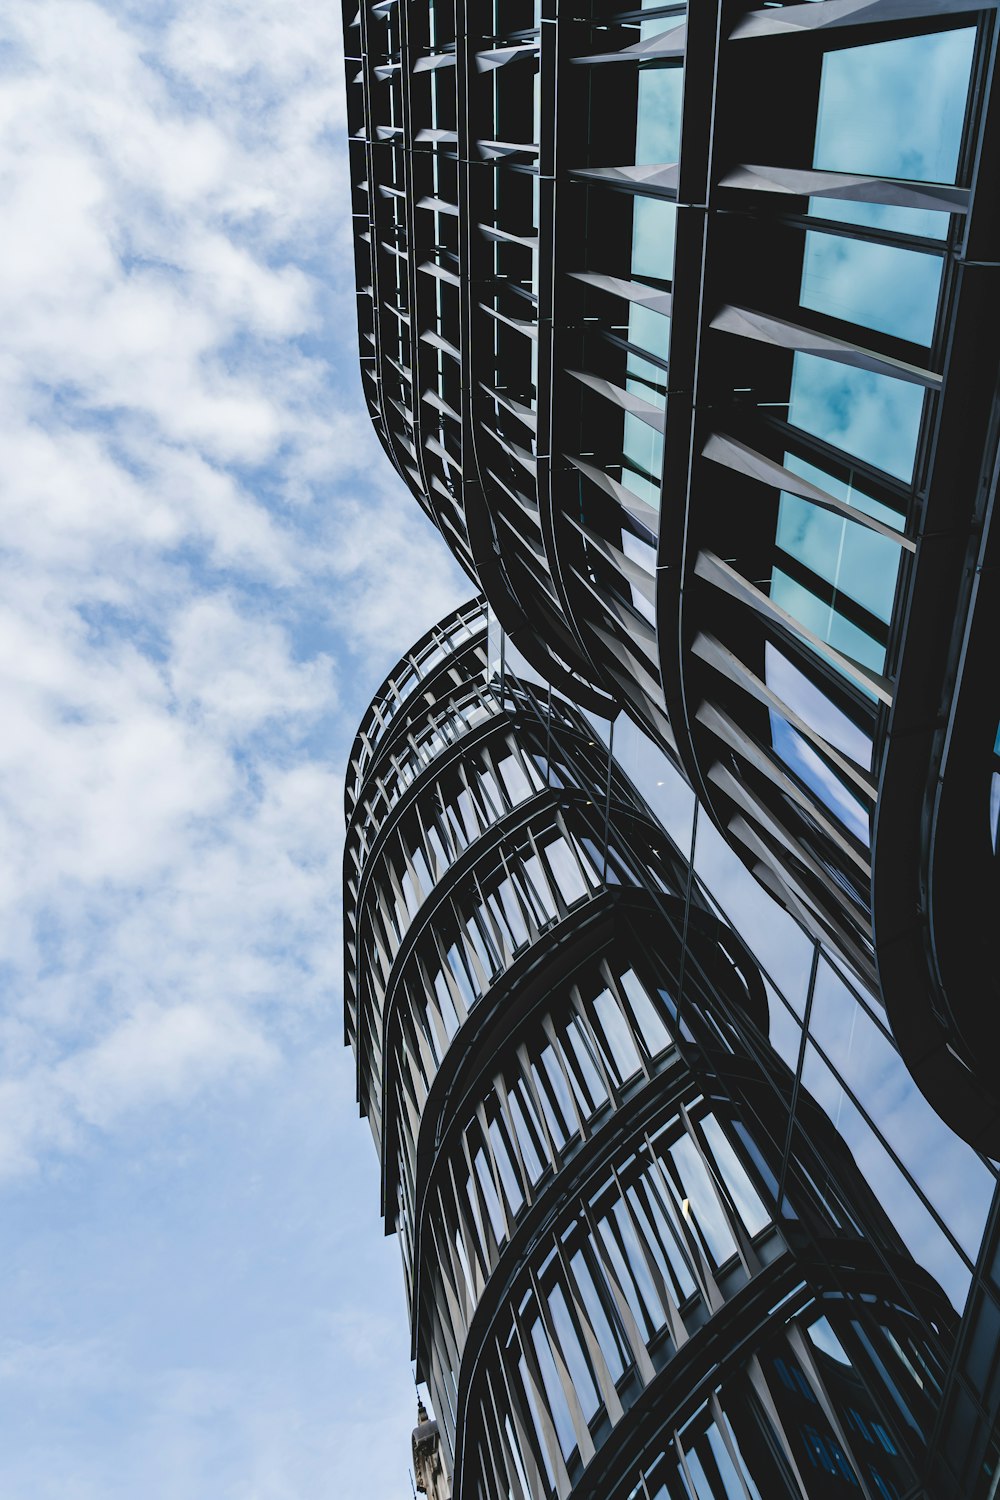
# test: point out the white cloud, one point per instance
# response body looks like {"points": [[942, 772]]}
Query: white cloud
{"points": [[205, 567]]}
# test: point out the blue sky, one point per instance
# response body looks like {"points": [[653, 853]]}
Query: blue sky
{"points": [[207, 567]]}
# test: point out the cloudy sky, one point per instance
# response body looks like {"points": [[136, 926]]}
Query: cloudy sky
{"points": [[197, 1303]]}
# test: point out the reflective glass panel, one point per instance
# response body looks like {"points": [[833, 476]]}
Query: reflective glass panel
{"points": [[854, 560], [654, 229], [814, 707], [813, 771], [820, 618], [649, 330], [926, 222], [884, 287], [872, 417], [658, 122], [896, 109]]}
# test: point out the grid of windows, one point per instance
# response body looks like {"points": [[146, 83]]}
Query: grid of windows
{"points": [[694, 392], [674, 1221], [702, 397]]}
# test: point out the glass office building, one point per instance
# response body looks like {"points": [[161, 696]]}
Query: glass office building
{"points": [[672, 860], [682, 329], [674, 1220]]}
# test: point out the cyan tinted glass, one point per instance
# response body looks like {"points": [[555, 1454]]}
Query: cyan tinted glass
{"points": [[648, 330], [854, 560], [844, 491], [872, 417], [642, 454], [824, 621], [925, 222], [884, 287], [658, 121], [646, 380], [654, 230], [896, 109]]}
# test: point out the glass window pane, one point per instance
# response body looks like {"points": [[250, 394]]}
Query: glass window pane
{"points": [[573, 1354], [799, 693], [926, 222], [648, 329], [654, 228], [658, 122], [587, 1071], [872, 417], [490, 1195], [951, 1174], [565, 871], [605, 1330], [884, 287], [912, 1220], [633, 1270], [536, 1421], [701, 1204], [555, 1397], [896, 109], [654, 1033], [642, 450], [614, 1034], [857, 562], [733, 1173], [505, 1166], [813, 771], [528, 1136], [819, 617], [845, 491]]}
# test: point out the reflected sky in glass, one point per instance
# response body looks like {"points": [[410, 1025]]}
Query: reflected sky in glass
{"points": [[649, 330], [812, 770], [882, 287], [654, 232], [895, 109], [912, 1220], [875, 418], [926, 222], [826, 623], [948, 1171], [658, 121], [857, 562], [813, 706]]}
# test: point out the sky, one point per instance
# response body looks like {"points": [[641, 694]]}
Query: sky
{"points": [[208, 566]]}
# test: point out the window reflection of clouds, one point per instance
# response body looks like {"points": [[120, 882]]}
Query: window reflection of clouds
{"points": [[663, 787], [814, 707], [854, 560], [658, 122], [649, 330], [921, 1233], [811, 769], [873, 417], [843, 490], [927, 223], [883, 287], [776, 939], [895, 108], [831, 626], [957, 1183], [654, 231]]}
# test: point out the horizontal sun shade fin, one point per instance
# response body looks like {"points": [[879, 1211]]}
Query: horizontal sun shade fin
{"points": [[748, 324], [812, 183], [734, 455]]}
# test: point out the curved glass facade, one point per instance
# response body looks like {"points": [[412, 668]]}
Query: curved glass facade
{"points": [[647, 1253], [700, 396]]}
